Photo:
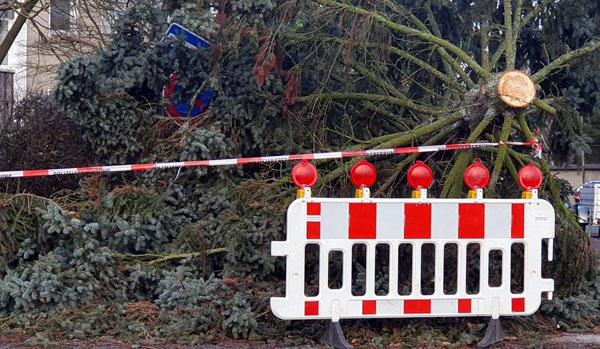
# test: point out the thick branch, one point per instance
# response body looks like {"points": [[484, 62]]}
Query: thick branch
{"points": [[453, 184], [509, 164], [451, 81], [508, 31], [543, 73], [411, 31], [548, 176], [402, 139], [409, 159], [485, 44], [528, 17], [391, 117], [385, 86], [516, 27], [160, 258], [496, 56], [504, 134], [511, 168], [447, 61], [406, 103], [544, 106], [516, 30]]}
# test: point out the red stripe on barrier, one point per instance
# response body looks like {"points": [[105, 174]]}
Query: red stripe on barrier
{"points": [[417, 221], [35, 173], [369, 307], [464, 306], [362, 221], [457, 146], [518, 305], [313, 230], [302, 157], [195, 163], [244, 161], [471, 221], [417, 306], [313, 209], [346, 154], [311, 308], [517, 225], [143, 167], [408, 150]]}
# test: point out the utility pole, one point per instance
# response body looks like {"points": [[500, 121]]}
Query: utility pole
{"points": [[582, 167]]}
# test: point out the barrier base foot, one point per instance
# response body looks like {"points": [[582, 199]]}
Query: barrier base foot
{"points": [[494, 334], [334, 336]]}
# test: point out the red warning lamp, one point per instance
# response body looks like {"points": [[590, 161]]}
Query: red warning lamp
{"points": [[363, 174], [530, 177], [476, 175], [420, 176], [304, 174]]}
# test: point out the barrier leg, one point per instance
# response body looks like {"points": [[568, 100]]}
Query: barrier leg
{"points": [[494, 334], [334, 336]]}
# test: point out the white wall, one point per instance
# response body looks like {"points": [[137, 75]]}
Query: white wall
{"points": [[17, 62]]}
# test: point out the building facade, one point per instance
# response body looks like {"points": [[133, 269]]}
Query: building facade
{"points": [[58, 30]]}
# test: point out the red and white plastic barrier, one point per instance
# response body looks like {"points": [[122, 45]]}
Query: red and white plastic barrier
{"points": [[339, 224], [256, 160]]}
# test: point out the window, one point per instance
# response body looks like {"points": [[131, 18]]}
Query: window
{"points": [[60, 14]]}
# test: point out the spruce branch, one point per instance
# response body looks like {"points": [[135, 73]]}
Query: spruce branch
{"points": [[501, 158], [428, 37], [528, 17], [152, 258], [451, 81], [544, 106], [555, 64], [403, 102], [510, 44], [485, 44], [450, 65], [400, 140], [554, 192], [384, 85], [409, 159], [516, 26], [453, 184]]}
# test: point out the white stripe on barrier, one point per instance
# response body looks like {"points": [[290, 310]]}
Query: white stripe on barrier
{"points": [[389, 226], [11, 174], [444, 220], [324, 156]]}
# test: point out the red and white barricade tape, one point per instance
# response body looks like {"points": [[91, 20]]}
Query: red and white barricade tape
{"points": [[255, 160], [495, 225]]}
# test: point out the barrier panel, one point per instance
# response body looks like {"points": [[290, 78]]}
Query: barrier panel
{"points": [[443, 234]]}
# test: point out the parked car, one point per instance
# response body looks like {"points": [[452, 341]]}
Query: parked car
{"points": [[587, 204]]}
